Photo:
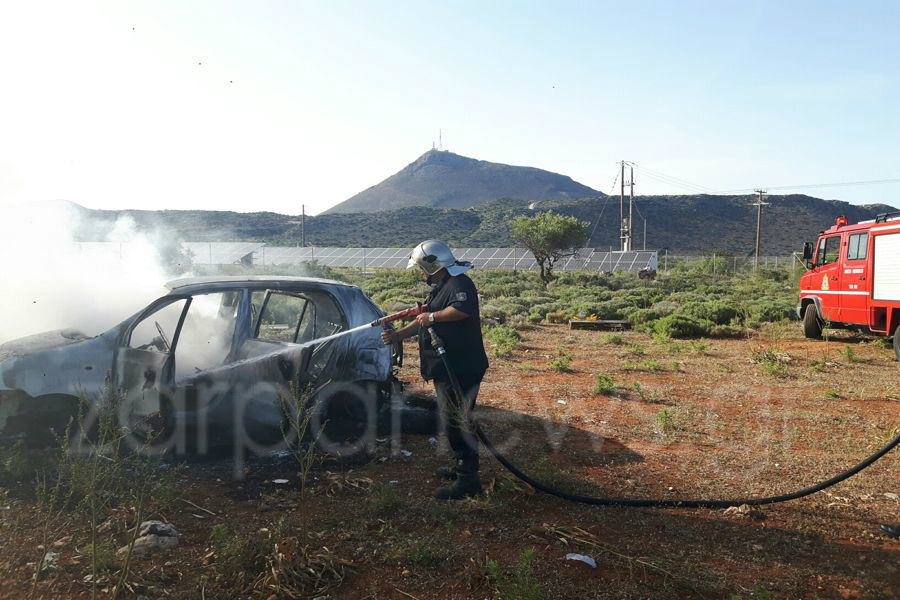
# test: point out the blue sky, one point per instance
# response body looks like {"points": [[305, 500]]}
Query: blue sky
{"points": [[267, 105]]}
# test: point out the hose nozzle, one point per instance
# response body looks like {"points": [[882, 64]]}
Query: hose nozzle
{"points": [[403, 314]]}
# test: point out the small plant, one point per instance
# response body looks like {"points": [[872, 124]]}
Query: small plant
{"points": [[832, 394], [850, 354], [561, 363], [383, 499], [635, 351], [425, 553], [698, 347], [651, 365], [666, 421], [775, 368], [503, 340], [614, 339], [604, 385], [515, 582]]}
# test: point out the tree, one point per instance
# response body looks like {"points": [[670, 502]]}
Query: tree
{"points": [[549, 237]]}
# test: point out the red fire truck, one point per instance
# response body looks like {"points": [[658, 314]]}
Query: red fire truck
{"points": [[853, 281]]}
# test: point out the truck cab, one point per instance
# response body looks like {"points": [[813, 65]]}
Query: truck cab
{"points": [[853, 278]]}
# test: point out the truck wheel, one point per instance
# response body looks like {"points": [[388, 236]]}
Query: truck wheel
{"points": [[812, 325], [897, 343]]}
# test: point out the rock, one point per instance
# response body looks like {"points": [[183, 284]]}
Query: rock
{"points": [[157, 528], [149, 544], [51, 562]]}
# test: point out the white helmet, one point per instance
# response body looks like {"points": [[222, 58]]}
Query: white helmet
{"points": [[433, 255]]}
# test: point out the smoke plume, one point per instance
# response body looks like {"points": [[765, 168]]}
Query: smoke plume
{"points": [[53, 281]]}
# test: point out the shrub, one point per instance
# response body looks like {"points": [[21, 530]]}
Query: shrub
{"points": [[719, 312], [642, 315], [562, 361], [666, 421], [681, 326], [769, 310], [494, 313], [604, 385], [557, 317], [503, 340]]}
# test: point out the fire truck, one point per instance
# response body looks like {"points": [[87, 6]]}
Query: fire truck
{"points": [[853, 279]]}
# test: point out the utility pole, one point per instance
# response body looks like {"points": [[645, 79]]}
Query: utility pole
{"points": [[303, 224], [645, 233], [631, 208], [759, 204], [622, 233]]}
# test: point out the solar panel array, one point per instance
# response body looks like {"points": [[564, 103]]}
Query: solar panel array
{"points": [[229, 253], [585, 259], [222, 253]]}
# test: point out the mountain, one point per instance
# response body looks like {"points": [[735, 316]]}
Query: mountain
{"points": [[441, 179], [682, 224]]}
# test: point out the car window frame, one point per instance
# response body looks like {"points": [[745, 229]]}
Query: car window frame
{"points": [[151, 309], [262, 310]]}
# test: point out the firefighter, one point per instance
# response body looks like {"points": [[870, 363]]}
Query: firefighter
{"points": [[452, 310]]}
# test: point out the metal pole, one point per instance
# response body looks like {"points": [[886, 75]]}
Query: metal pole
{"points": [[759, 205], [622, 207], [303, 223], [645, 233], [630, 208]]}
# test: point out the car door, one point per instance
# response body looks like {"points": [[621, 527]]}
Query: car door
{"points": [[828, 274], [280, 351], [854, 297], [144, 363]]}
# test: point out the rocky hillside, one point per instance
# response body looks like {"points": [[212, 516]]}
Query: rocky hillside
{"points": [[683, 224]]}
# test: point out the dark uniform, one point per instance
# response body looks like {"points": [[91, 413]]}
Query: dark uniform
{"points": [[466, 355]]}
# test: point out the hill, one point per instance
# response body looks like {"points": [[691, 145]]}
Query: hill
{"points": [[682, 224], [441, 179]]}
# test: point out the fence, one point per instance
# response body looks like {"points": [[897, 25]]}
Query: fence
{"points": [[725, 265]]}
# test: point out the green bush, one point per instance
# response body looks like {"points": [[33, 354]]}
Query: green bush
{"points": [[503, 340], [604, 385], [720, 312], [561, 363], [681, 326], [557, 317]]}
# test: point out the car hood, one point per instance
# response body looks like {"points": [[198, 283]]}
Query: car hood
{"points": [[56, 362], [39, 342]]}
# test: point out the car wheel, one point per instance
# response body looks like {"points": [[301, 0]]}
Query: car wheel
{"points": [[897, 343], [812, 325]]}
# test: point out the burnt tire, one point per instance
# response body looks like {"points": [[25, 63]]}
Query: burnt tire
{"points": [[812, 324]]}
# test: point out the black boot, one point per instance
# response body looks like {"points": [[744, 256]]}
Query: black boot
{"points": [[450, 472], [467, 482]]}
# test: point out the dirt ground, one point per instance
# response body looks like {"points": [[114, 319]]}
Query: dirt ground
{"points": [[710, 419]]}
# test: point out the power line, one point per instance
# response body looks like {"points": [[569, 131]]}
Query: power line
{"points": [[685, 184], [608, 196], [816, 185], [659, 175]]}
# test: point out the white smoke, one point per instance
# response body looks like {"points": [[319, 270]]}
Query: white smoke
{"points": [[51, 281]]}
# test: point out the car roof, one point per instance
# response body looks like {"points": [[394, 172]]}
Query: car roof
{"points": [[180, 285]]}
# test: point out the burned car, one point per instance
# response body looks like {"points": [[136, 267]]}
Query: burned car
{"points": [[215, 355]]}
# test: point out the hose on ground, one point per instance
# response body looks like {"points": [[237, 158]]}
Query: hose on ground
{"points": [[438, 345]]}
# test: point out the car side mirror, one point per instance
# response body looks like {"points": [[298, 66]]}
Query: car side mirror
{"points": [[807, 251]]}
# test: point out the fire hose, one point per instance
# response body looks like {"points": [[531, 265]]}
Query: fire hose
{"points": [[473, 425]]}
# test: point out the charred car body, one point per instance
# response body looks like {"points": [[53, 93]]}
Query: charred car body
{"points": [[215, 355]]}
